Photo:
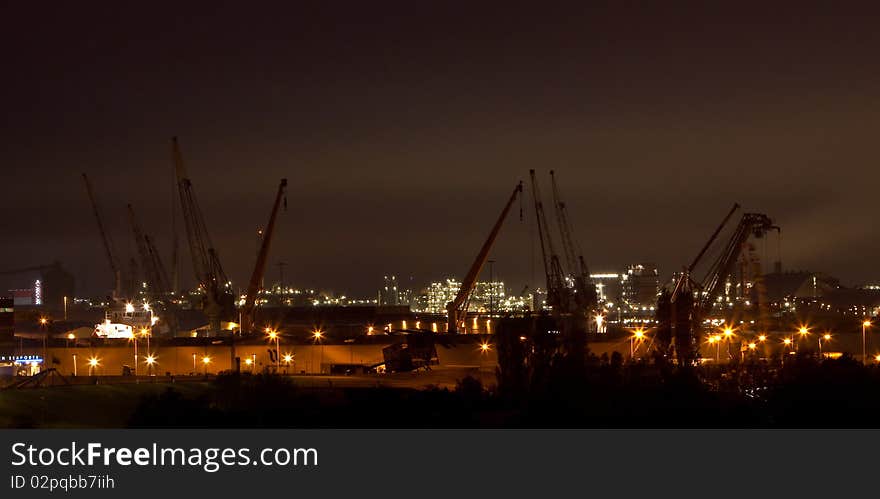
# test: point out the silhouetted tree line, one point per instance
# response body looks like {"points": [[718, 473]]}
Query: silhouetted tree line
{"points": [[539, 387]]}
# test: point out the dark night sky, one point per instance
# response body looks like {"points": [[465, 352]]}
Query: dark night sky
{"points": [[403, 127]]}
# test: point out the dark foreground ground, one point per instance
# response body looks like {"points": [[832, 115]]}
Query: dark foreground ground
{"points": [[833, 393]]}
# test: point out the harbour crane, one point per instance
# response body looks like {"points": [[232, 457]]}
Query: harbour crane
{"points": [[692, 300], [584, 290], [557, 292], [457, 308], [248, 309], [155, 288], [209, 273], [158, 287], [111, 258]]}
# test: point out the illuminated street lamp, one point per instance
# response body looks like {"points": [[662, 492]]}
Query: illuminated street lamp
{"points": [[273, 336], [484, 351], [146, 333], [787, 343], [206, 360], [93, 363], [43, 322], [825, 337], [133, 338], [318, 335], [803, 331], [715, 340], [866, 324], [150, 360], [728, 334], [288, 358], [634, 341]]}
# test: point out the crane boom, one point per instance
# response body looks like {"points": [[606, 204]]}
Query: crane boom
{"points": [[456, 307], [143, 252], [584, 289], [556, 294], [163, 286], [247, 312], [568, 244], [114, 267], [206, 262], [693, 305]]}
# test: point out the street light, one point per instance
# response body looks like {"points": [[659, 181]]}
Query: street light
{"points": [[93, 363], [150, 360], [826, 337], [803, 331], [288, 358], [43, 322], [206, 360], [866, 324], [273, 336], [634, 341], [133, 337], [318, 335], [728, 334], [787, 343], [712, 341]]}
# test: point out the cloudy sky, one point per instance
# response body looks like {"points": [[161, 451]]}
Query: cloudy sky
{"points": [[403, 127]]}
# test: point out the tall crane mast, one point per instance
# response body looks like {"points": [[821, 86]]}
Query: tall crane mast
{"points": [[247, 311], [557, 295], [111, 259], [144, 253], [154, 270], [163, 285], [206, 263], [585, 292], [457, 308]]}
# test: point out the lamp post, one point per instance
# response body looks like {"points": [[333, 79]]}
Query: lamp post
{"points": [[634, 342], [93, 363], [803, 331], [135, 340], [728, 334], [43, 324], [714, 340], [150, 360], [74, 365], [484, 352], [273, 335], [787, 343], [318, 334], [865, 324], [826, 337], [206, 360]]}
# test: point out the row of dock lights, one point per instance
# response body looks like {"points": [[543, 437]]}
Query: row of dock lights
{"points": [[639, 335]]}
